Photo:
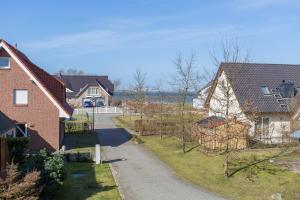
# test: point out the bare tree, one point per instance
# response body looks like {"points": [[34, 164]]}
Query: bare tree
{"points": [[223, 102], [117, 84], [162, 106], [139, 90], [228, 50], [185, 80]]}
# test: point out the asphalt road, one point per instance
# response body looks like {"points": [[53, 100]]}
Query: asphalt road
{"points": [[139, 174]]}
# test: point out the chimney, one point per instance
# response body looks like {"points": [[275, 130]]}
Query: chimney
{"points": [[16, 46]]}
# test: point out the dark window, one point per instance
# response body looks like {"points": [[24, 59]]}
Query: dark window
{"points": [[21, 130], [262, 126], [266, 122], [258, 126]]}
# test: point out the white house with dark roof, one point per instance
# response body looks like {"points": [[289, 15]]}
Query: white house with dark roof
{"points": [[199, 100], [268, 91]]}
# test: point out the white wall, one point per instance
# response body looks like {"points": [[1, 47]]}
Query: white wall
{"points": [[198, 102], [278, 123], [217, 104]]}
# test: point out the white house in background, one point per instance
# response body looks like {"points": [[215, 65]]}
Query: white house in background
{"points": [[199, 100], [270, 88]]}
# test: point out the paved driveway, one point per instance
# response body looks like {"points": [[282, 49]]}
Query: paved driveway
{"points": [[140, 174]]}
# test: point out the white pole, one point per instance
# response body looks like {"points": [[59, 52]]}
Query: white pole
{"points": [[98, 154]]}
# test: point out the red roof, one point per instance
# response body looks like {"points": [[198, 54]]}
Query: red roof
{"points": [[53, 86]]}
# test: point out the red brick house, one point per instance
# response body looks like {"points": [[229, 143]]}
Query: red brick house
{"points": [[33, 99]]}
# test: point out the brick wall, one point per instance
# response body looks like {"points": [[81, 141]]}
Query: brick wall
{"points": [[77, 101], [41, 116]]}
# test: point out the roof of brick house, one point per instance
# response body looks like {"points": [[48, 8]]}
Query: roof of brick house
{"points": [[53, 86], [6, 123]]}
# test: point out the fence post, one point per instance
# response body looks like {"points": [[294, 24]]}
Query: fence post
{"points": [[98, 154]]}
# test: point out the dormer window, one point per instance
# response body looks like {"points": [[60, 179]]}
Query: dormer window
{"points": [[68, 90], [4, 63], [265, 90]]}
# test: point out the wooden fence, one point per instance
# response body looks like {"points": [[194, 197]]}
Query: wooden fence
{"points": [[4, 153], [216, 139]]}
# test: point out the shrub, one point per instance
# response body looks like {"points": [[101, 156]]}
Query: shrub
{"points": [[117, 102], [76, 127], [16, 186], [17, 148], [52, 170]]}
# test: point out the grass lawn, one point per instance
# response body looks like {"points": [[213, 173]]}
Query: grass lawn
{"points": [[257, 182], [97, 183]]}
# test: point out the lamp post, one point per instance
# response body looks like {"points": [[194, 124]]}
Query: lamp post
{"points": [[93, 102]]}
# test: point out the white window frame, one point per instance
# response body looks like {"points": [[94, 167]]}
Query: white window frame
{"points": [[5, 67], [15, 97], [93, 94]]}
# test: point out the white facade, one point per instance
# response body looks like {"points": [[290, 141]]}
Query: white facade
{"points": [[275, 126], [198, 102]]}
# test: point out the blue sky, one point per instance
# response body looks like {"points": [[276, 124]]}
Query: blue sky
{"points": [[116, 37]]}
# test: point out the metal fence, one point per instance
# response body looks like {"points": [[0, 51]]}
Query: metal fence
{"points": [[99, 110]]}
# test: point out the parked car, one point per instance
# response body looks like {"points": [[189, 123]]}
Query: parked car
{"points": [[87, 104]]}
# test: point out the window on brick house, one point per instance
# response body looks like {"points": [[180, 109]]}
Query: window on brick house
{"points": [[21, 97], [21, 130], [4, 63]]}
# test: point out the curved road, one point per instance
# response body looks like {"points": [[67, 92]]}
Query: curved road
{"points": [[141, 175]]}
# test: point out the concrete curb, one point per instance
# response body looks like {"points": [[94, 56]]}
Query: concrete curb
{"points": [[115, 176]]}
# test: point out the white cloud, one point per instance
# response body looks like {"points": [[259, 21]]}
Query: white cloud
{"points": [[111, 39]]}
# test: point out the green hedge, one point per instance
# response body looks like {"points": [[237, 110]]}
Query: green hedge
{"points": [[75, 126], [17, 148]]}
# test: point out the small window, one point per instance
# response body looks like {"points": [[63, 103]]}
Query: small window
{"points": [[265, 90], [262, 126], [283, 106], [277, 96], [281, 101], [4, 63], [266, 122], [93, 91], [21, 97], [21, 130]]}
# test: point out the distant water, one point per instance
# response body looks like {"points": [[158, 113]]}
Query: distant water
{"points": [[170, 97]]}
